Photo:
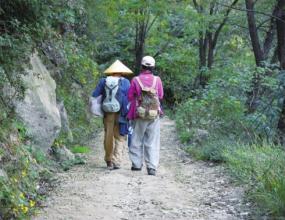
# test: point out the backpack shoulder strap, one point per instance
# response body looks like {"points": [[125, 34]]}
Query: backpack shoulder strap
{"points": [[118, 84], [154, 82], [140, 82]]}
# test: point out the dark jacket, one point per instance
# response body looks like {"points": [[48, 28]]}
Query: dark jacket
{"points": [[122, 97]]}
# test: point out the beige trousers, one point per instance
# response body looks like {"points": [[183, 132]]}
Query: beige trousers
{"points": [[114, 143]]}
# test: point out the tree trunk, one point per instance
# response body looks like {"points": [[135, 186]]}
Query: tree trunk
{"points": [[139, 51], [270, 34], [210, 51], [139, 44], [143, 25], [258, 52], [280, 24], [208, 42], [203, 44]]}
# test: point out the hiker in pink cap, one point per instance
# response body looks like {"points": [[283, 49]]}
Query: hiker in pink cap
{"points": [[144, 95]]}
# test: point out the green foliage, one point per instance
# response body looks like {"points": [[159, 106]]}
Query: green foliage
{"points": [[262, 168], [23, 25], [66, 165], [221, 109], [214, 112], [76, 85], [19, 192], [212, 150], [177, 69], [80, 149], [21, 129]]}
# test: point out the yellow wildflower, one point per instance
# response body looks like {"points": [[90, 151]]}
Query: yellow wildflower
{"points": [[25, 209], [32, 203], [22, 196], [14, 180], [24, 173]]}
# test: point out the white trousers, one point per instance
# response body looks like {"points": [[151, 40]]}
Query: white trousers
{"points": [[145, 143]]}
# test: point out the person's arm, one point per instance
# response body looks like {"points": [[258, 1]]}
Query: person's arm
{"points": [[132, 91], [127, 86], [99, 88], [160, 89]]}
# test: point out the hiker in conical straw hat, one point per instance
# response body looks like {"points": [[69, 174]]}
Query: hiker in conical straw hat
{"points": [[114, 89]]}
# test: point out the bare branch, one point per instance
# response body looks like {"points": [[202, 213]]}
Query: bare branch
{"points": [[151, 24], [226, 16], [212, 7], [251, 10], [197, 6], [263, 22], [270, 33]]}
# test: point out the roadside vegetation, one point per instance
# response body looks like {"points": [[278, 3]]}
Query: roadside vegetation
{"points": [[221, 62]]}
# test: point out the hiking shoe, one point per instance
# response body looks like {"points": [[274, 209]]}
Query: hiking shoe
{"points": [[136, 169], [116, 166], [151, 171], [109, 165]]}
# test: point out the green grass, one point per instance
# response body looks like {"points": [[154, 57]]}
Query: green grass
{"points": [[262, 168], [80, 149], [259, 167], [66, 165], [211, 150]]}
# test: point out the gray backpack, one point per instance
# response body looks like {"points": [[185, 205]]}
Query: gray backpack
{"points": [[110, 103]]}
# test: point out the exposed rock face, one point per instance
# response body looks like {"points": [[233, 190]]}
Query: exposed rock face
{"points": [[54, 52], [14, 139], [3, 175], [38, 110], [65, 129], [62, 154]]}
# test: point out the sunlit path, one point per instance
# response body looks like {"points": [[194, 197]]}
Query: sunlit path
{"points": [[183, 189]]}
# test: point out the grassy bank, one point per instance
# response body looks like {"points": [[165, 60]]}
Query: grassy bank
{"points": [[24, 175], [256, 164], [260, 167]]}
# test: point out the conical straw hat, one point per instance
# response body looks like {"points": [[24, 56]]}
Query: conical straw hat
{"points": [[118, 67]]}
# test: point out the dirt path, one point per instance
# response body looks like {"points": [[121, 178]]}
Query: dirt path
{"points": [[183, 189]]}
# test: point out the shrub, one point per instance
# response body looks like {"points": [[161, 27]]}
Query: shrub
{"points": [[214, 112], [76, 85], [212, 150], [19, 192]]}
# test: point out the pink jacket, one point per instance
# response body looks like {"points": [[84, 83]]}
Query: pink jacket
{"points": [[135, 91]]}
